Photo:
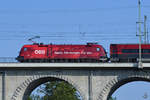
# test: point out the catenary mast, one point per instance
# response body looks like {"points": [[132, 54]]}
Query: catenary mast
{"points": [[140, 35]]}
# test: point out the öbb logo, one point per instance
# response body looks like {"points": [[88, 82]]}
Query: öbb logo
{"points": [[39, 51]]}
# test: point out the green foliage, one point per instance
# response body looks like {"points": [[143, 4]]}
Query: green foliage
{"points": [[29, 98], [57, 90], [34, 97], [111, 98]]}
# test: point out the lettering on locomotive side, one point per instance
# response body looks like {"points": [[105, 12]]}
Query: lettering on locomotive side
{"points": [[72, 53], [76, 53], [58, 53], [39, 51]]}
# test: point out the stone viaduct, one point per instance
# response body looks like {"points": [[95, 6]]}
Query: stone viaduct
{"points": [[94, 81]]}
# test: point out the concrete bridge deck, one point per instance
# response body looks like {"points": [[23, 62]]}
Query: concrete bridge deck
{"points": [[73, 65]]}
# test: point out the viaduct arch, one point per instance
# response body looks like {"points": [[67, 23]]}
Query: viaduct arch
{"points": [[114, 84], [25, 88]]}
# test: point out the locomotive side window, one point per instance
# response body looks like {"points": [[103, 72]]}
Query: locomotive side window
{"points": [[145, 50], [130, 51], [98, 49], [114, 51], [25, 49], [135, 51]]}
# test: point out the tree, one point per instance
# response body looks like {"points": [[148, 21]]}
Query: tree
{"points": [[57, 90], [29, 98], [111, 98], [34, 97]]}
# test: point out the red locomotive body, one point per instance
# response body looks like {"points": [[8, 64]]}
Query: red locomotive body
{"points": [[129, 52], [62, 53]]}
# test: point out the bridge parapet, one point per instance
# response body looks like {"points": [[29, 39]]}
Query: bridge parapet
{"points": [[73, 65]]}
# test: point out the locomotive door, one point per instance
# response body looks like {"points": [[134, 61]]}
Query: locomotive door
{"points": [[49, 52]]}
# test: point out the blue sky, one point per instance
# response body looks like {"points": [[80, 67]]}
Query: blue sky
{"points": [[68, 22], [139, 90]]}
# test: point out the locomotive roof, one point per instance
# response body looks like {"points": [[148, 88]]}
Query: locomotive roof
{"points": [[41, 44], [129, 44]]}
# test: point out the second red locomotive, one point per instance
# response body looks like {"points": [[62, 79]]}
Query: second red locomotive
{"points": [[62, 53], [129, 52]]}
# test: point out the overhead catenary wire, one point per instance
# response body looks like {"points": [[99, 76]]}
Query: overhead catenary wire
{"points": [[74, 36], [64, 10], [72, 10]]}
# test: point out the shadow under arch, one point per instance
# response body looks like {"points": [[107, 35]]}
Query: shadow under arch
{"points": [[34, 84], [125, 81]]}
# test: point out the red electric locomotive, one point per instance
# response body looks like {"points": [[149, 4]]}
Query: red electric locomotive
{"points": [[129, 52], [62, 53]]}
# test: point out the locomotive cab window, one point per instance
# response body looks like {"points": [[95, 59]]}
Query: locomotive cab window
{"points": [[25, 49], [97, 49]]}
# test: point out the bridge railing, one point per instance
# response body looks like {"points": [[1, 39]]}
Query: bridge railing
{"points": [[7, 60]]}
